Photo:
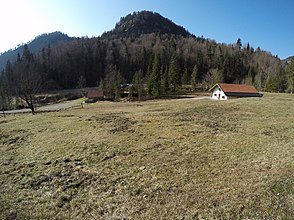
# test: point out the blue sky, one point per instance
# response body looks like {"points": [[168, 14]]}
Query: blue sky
{"points": [[263, 23]]}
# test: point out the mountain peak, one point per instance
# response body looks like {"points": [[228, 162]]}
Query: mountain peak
{"points": [[145, 22]]}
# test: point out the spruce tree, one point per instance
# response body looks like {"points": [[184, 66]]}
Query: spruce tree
{"points": [[290, 76], [138, 83], [194, 77], [5, 96], [251, 74], [239, 44], [185, 77], [164, 80], [271, 84], [117, 88], [112, 82], [174, 73], [153, 83]]}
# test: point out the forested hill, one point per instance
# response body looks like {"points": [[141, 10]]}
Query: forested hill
{"points": [[40, 42], [288, 60], [144, 22], [146, 49]]}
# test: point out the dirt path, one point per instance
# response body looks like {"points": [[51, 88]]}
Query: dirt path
{"points": [[202, 97], [53, 107], [71, 104]]}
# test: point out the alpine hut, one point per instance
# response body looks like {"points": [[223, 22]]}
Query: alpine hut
{"points": [[223, 91]]}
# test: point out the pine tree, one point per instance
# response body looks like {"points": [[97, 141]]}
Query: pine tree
{"points": [[281, 81], [185, 77], [5, 95], [194, 77], [101, 85], [81, 82], [112, 82], [164, 80], [26, 55], [138, 83], [251, 74], [239, 44], [153, 83], [290, 75], [271, 84], [117, 86], [174, 73]]}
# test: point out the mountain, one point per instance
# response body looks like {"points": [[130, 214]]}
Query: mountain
{"points": [[151, 49], [145, 22], [40, 42], [288, 60]]}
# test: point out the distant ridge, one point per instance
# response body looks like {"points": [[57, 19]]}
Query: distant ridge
{"points": [[40, 42], [145, 22], [288, 60]]}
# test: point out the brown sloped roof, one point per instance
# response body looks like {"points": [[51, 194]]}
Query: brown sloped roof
{"points": [[237, 88], [93, 94]]}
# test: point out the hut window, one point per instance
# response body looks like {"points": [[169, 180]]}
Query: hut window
{"points": [[215, 94], [223, 97]]}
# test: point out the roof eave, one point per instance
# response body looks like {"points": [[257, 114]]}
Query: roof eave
{"points": [[212, 88], [243, 94]]}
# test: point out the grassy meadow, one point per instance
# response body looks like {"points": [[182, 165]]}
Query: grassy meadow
{"points": [[161, 159]]}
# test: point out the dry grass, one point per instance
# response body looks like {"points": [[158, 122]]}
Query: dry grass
{"points": [[173, 159]]}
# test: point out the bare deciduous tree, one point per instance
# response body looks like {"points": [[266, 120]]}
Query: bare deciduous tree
{"points": [[28, 80]]}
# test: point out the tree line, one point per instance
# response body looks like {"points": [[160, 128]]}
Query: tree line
{"points": [[155, 64]]}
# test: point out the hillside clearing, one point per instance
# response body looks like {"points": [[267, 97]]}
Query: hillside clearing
{"points": [[156, 159]]}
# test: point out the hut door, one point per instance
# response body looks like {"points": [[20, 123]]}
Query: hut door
{"points": [[219, 96]]}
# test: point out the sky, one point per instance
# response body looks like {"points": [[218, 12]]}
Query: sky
{"points": [[267, 24]]}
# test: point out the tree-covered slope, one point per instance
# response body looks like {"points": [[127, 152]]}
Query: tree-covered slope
{"points": [[146, 48], [288, 60], [145, 22], [40, 42]]}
